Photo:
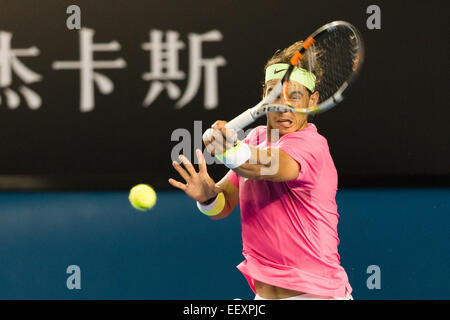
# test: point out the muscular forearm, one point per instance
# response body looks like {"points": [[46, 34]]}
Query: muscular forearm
{"points": [[262, 164], [224, 213]]}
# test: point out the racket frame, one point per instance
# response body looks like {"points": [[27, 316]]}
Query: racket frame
{"points": [[265, 105]]}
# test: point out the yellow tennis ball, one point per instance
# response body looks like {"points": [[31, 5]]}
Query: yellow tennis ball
{"points": [[142, 197]]}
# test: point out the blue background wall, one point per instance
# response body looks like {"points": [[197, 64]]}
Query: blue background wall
{"points": [[174, 252]]}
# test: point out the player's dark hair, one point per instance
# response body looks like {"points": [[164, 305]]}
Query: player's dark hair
{"points": [[309, 61]]}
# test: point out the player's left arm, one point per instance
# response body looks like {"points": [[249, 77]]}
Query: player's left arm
{"points": [[272, 164]]}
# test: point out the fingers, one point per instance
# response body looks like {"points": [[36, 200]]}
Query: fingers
{"points": [[210, 138], [210, 149], [219, 124], [181, 171], [177, 184], [186, 175], [187, 164], [218, 138], [201, 161], [217, 142], [207, 136], [228, 133], [223, 140]]}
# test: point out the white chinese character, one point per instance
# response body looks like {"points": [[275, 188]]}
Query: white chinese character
{"points": [[87, 65], [164, 68], [9, 63], [163, 64], [196, 62]]}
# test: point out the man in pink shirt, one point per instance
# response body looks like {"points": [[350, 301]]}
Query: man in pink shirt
{"points": [[286, 186]]}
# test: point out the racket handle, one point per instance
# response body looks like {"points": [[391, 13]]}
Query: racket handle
{"points": [[241, 121], [238, 123]]}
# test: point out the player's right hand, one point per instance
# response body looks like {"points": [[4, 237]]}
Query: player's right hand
{"points": [[218, 138]]}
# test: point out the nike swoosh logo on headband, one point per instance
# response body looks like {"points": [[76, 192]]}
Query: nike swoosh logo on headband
{"points": [[277, 71]]}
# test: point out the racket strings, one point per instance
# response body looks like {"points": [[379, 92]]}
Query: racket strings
{"points": [[337, 55]]}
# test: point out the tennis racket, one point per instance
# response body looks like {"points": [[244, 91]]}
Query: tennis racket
{"points": [[341, 54]]}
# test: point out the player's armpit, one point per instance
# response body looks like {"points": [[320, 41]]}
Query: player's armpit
{"points": [[231, 194]]}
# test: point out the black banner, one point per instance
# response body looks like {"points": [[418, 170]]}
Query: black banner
{"points": [[222, 309], [97, 107]]}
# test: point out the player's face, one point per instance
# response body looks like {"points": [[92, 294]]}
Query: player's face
{"points": [[287, 122]]}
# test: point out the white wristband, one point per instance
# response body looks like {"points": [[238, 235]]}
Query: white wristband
{"points": [[236, 156], [215, 207], [206, 207]]}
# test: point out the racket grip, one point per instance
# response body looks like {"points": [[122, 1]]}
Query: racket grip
{"points": [[241, 121]]}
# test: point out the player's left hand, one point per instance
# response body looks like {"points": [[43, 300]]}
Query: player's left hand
{"points": [[198, 184]]}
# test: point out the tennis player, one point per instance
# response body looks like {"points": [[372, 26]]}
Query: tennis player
{"points": [[285, 181]]}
